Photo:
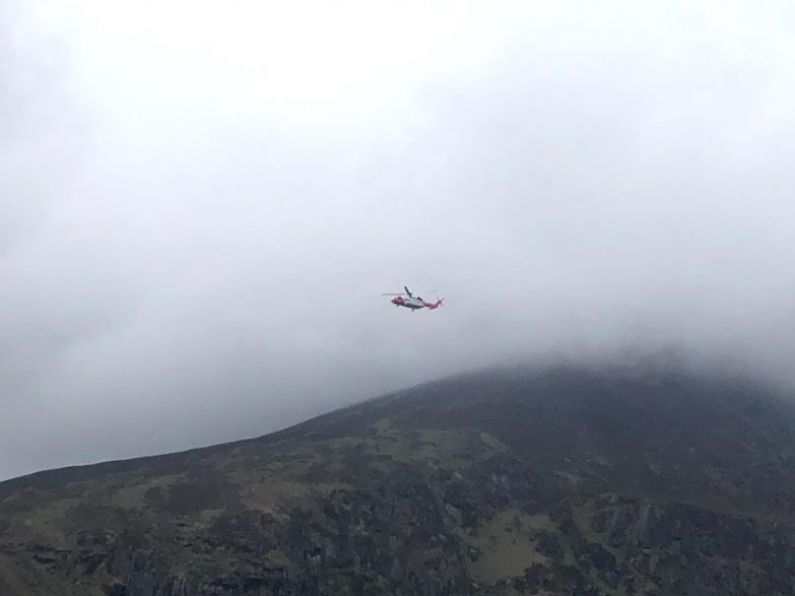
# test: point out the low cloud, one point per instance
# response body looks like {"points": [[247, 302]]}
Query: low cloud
{"points": [[200, 210]]}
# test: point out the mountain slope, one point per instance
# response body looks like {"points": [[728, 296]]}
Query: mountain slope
{"points": [[564, 480]]}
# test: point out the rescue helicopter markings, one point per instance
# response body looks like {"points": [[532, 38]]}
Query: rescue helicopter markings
{"points": [[410, 301]]}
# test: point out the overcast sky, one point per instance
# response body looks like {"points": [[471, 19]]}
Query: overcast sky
{"points": [[201, 203]]}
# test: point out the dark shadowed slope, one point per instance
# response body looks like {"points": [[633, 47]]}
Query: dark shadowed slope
{"points": [[566, 480]]}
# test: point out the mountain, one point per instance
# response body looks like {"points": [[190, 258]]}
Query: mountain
{"points": [[563, 480]]}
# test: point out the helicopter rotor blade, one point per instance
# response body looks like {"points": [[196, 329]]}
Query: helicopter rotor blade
{"points": [[408, 291]]}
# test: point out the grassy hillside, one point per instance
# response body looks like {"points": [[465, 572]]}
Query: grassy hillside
{"points": [[559, 481]]}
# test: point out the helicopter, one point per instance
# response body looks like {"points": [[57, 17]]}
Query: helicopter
{"points": [[412, 302]]}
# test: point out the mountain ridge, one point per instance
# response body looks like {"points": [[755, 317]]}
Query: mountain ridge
{"points": [[562, 479]]}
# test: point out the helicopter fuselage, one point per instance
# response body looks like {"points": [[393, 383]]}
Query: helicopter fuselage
{"points": [[412, 302]]}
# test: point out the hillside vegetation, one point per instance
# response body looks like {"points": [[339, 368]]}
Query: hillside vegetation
{"points": [[555, 481]]}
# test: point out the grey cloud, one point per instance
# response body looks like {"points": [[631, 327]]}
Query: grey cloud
{"points": [[207, 263]]}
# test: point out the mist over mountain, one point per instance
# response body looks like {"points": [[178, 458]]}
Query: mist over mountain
{"points": [[551, 480], [200, 204]]}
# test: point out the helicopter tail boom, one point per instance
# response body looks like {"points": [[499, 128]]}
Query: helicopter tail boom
{"points": [[432, 305]]}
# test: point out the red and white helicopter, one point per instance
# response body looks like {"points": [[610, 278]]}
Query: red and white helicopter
{"points": [[410, 301]]}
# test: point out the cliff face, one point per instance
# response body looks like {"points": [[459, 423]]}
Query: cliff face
{"points": [[565, 481]]}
